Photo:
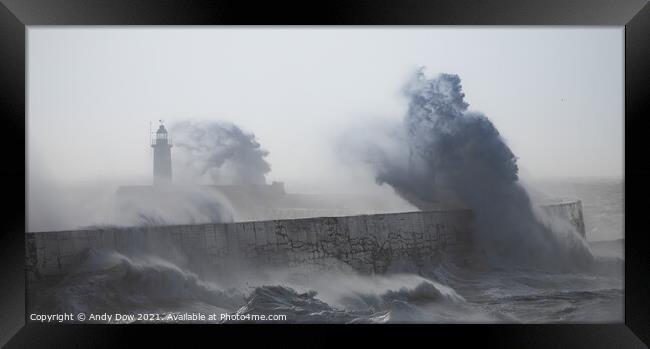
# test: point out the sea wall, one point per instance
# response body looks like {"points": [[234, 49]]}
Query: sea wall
{"points": [[367, 243], [569, 210]]}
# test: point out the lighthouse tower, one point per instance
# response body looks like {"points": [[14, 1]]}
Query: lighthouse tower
{"points": [[162, 157]]}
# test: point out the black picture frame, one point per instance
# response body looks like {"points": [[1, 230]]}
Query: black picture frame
{"points": [[16, 15]]}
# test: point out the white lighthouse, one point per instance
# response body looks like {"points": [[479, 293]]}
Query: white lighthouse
{"points": [[162, 157]]}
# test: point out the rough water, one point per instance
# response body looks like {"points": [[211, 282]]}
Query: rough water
{"points": [[445, 293]]}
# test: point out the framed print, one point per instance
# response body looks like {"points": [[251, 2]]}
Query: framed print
{"points": [[449, 171]]}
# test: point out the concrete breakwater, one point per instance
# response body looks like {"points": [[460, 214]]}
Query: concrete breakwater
{"points": [[367, 243]]}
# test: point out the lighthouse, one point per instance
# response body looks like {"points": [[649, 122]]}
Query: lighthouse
{"points": [[162, 157]]}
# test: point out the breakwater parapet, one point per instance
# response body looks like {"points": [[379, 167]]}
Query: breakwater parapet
{"points": [[367, 243]]}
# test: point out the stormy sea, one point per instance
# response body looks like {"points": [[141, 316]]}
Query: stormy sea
{"points": [[524, 268], [473, 292]]}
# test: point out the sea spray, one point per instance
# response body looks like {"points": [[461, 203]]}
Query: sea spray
{"points": [[205, 153], [446, 155], [139, 282], [215, 152], [171, 204]]}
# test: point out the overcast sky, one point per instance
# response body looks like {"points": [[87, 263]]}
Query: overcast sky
{"points": [[555, 94]]}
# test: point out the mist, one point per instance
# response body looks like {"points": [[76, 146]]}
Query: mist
{"points": [[92, 94], [207, 153]]}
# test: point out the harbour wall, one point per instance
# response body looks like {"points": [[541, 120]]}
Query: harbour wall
{"points": [[366, 243], [568, 210]]}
